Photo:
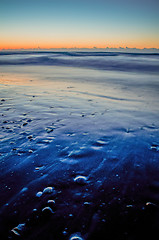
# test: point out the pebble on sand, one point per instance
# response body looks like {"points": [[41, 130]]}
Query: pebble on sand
{"points": [[17, 230], [51, 203], [76, 236], [30, 151], [30, 137], [150, 205], [81, 180], [39, 194], [48, 190], [5, 121], [47, 211], [154, 147], [48, 130]]}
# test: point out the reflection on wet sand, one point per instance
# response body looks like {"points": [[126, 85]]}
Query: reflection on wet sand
{"points": [[79, 158]]}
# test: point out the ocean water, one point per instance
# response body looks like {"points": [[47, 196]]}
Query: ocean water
{"points": [[79, 145]]}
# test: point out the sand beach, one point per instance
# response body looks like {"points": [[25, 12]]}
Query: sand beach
{"points": [[79, 145]]}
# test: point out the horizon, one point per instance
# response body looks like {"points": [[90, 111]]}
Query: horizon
{"points": [[107, 49]]}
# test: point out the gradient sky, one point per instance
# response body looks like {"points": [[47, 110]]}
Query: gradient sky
{"points": [[79, 23]]}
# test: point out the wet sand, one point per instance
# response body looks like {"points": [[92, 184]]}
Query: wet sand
{"points": [[79, 153]]}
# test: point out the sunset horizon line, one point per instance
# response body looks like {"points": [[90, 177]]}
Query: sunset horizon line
{"points": [[76, 48]]}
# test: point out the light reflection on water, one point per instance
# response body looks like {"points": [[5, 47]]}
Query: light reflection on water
{"points": [[114, 84]]}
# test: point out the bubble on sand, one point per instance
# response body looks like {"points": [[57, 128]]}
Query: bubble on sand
{"points": [[76, 236], [48, 190], [81, 180]]}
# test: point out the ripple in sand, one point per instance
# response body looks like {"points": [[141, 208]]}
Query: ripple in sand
{"points": [[101, 143], [44, 141], [69, 161], [80, 153]]}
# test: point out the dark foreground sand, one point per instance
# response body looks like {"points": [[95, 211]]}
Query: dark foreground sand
{"points": [[79, 154]]}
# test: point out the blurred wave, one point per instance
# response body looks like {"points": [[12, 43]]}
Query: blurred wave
{"points": [[140, 62]]}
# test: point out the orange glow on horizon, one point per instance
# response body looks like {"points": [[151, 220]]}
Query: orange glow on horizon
{"points": [[68, 45], [34, 42]]}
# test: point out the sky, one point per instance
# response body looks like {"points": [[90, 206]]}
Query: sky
{"points": [[79, 23]]}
